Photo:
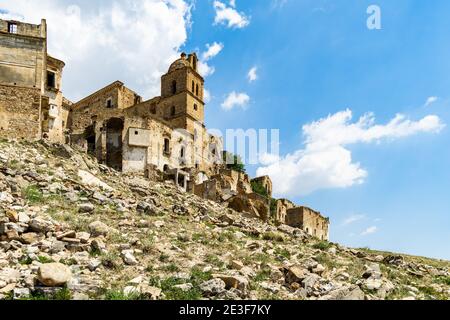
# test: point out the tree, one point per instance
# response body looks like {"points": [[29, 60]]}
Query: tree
{"points": [[233, 162]]}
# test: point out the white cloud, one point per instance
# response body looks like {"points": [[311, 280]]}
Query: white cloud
{"points": [[102, 41], [353, 219], [370, 230], [233, 3], [205, 69], [229, 16], [252, 74], [430, 101], [207, 96], [235, 100], [212, 50], [325, 162]]}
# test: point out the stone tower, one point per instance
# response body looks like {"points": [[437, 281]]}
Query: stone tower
{"points": [[182, 92]]}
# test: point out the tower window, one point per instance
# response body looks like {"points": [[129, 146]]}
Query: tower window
{"points": [[182, 152], [12, 27], [174, 87], [193, 86], [196, 91], [51, 79], [109, 104], [195, 107], [173, 111]]}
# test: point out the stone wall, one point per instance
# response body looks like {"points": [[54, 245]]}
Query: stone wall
{"points": [[310, 221], [19, 112], [23, 55], [282, 206]]}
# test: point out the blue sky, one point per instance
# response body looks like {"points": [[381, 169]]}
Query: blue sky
{"points": [[384, 182], [316, 58]]}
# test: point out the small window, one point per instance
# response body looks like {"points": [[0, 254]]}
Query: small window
{"points": [[136, 133], [196, 91], [12, 27], [173, 111], [51, 79], [193, 86], [182, 152], [166, 146], [109, 103], [195, 107]]}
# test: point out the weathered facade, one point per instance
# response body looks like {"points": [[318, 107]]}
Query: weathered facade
{"points": [[282, 206], [310, 221], [30, 83], [165, 133], [266, 183]]}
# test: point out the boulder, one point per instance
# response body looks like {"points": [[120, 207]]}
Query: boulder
{"points": [[98, 228], [295, 274], [86, 207], [41, 226], [233, 281], [129, 258], [54, 274], [213, 287], [29, 238]]}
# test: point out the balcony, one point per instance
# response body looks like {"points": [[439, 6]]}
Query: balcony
{"points": [[53, 111]]}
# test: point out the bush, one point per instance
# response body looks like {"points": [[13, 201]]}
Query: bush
{"points": [[236, 162], [322, 245], [33, 194], [273, 236], [118, 295], [259, 189]]}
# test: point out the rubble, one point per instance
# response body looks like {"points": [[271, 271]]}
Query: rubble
{"points": [[163, 243]]}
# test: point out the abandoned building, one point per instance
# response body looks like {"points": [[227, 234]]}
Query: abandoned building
{"points": [[282, 207], [310, 221], [163, 138], [31, 101]]}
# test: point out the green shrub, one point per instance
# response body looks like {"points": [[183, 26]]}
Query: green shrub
{"points": [[258, 188], [119, 295], [33, 194], [322, 245], [235, 162], [273, 236]]}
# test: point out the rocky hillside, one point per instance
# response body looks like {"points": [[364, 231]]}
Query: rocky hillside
{"points": [[73, 229]]}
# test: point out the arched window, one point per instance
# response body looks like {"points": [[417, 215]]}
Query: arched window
{"points": [[182, 152], [193, 86], [173, 111], [174, 87], [196, 90], [195, 107]]}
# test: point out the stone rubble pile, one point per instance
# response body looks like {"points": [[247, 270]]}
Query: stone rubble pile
{"points": [[68, 224]]}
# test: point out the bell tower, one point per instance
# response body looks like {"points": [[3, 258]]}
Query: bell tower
{"points": [[182, 93]]}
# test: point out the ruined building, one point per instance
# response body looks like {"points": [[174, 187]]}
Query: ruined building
{"points": [[163, 138], [31, 101], [310, 221]]}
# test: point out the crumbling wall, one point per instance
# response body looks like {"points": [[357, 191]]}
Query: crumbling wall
{"points": [[19, 112], [23, 55], [282, 206], [310, 221]]}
